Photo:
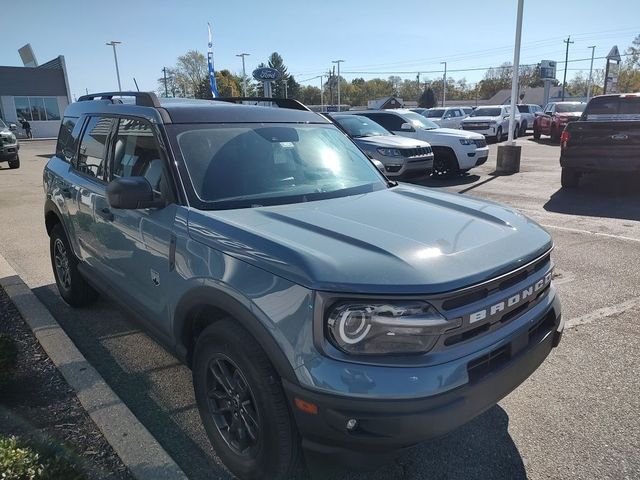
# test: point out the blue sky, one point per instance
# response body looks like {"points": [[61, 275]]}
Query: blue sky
{"points": [[417, 35]]}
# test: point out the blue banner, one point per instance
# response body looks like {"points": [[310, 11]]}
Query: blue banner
{"points": [[212, 72]]}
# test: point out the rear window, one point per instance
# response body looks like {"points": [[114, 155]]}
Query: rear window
{"points": [[523, 108], [613, 108]]}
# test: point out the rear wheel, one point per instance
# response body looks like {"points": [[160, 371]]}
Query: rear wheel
{"points": [[569, 178], [72, 286], [523, 129], [515, 132], [242, 404], [536, 134], [555, 134], [445, 164], [499, 134], [14, 163]]}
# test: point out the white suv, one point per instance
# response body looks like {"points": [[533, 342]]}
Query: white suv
{"points": [[492, 121], [446, 117], [454, 151]]}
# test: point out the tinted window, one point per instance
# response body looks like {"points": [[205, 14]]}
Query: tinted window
{"points": [[523, 108], [68, 139], [92, 147], [569, 107], [388, 121], [605, 107], [486, 112], [248, 165], [359, 126], [136, 154], [434, 113]]}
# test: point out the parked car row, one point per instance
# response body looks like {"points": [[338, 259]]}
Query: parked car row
{"points": [[555, 117]]}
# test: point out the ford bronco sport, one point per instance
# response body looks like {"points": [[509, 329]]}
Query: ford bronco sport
{"points": [[265, 250]]}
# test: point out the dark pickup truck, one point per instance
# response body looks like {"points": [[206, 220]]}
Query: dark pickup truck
{"points": [[606, 138]]}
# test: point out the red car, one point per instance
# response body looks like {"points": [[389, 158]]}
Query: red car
{"points": [[555, 117]]}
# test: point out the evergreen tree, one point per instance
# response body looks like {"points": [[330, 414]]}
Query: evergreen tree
{"points": [[427, 99]]}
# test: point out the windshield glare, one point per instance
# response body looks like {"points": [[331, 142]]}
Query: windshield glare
{"points": [[486, 112], [253, 165], [435, 113], [2, 124], [418, 121], [358, 126], [570, 107]]}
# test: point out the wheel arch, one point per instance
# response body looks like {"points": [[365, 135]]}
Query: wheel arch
{"points": [[205, 305], [52, 216]]}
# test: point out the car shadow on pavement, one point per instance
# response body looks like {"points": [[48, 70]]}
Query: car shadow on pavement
{"points": [[599, 196], [434, 182], [479, 450]]}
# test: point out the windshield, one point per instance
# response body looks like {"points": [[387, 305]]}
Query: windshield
{"points": [[569, 107], [486, 112], [418, 121], [358, 126], [434, 113], [253, 165]]}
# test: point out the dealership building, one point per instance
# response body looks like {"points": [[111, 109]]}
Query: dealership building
{"points": [[37, 93]]}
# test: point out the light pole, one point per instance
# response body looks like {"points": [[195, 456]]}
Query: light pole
{"points": [[566, 61], [244, 74], [593, 51], [113, 43], [338, 62], [321, 94], [444, 84], [516, 70]]}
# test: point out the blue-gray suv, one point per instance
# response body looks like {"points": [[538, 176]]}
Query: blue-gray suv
{"points": [[320, 306]]}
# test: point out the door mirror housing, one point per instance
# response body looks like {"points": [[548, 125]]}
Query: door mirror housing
{"points": [[548, 113], [379, 165], [406, 127], [133, 193]]}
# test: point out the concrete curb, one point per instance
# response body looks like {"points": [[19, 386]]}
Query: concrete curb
{"points": [[133, 443]]}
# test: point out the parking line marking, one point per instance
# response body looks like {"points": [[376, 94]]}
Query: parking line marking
{"points": [[600, 234], [603, 313]]}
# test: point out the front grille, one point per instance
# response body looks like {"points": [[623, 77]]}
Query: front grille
{"points": [[480, 142], [416, 152], [475, 126]]}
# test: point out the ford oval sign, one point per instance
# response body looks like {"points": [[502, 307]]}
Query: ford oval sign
{"points": [[266, 74]]}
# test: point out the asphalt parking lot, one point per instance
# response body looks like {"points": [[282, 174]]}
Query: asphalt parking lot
{"points": [[577, 417]]}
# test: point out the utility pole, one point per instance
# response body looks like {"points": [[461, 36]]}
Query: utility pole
{"points": [[338, 62], [166, 91], [244, 74], [418, 81], [113, 43], [516, 70], [593, 51], [285, 89], [321, 94], [566, 61], [444, 84]]}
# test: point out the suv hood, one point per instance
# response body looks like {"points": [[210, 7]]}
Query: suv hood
{"points": [[401, 240], [482, 119], [452, 132], [391, 141]]}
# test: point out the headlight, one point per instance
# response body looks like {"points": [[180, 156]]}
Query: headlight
{"points": [[389, 152], [466, 141], [386, 328], [493, 122], [12, 138]]}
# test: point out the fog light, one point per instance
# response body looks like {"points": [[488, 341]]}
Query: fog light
{"points": [[352, 423]]}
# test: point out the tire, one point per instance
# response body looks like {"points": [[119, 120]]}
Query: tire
{"points": [[445, 164], [536, 134], [229, 364], [523, 129], [555, 134], [569, 178], [72, 286], [515, 132], [14, 163], [499, 134]]}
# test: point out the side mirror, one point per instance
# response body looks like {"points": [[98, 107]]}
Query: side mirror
{"points": [[132, 193], [548, 113], [13, 127], [406, 127], [379, 165]]}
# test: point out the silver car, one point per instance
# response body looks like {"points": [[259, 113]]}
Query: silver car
{"points": [[9, 145], [401, 156]]}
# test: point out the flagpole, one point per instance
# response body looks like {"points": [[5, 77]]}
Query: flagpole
{"points": [[212, 73]]}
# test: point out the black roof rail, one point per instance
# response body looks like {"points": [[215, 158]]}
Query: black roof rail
{"points": [[280, 102], [143, 99]]}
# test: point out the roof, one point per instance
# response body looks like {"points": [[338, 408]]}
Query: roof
{"points": [[188, 110]]}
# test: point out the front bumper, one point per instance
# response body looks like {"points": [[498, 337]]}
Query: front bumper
{"points": [[8, 152], [473, 157], [489, 131], [385, 426], [408, 166]]}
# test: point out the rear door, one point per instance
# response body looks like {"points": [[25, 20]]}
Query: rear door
{"points": [[88, 175]]}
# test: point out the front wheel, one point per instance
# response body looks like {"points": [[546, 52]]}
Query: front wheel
{"points": [[445, 164], [73, 288], [515, 132], [555, 134], [569, 178], [536, 134], [15, 163], [499, 134], [523, 129], [242, 405]]}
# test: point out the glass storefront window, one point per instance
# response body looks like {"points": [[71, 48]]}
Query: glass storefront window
{"points": [[37, 108]]}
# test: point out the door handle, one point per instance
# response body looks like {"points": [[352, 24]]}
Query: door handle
{"points": [[105, 214]]}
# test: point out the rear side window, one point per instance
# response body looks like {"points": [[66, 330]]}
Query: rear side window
{"points": [[388, 121], [136, 154], [91, 156], [68, 138]]}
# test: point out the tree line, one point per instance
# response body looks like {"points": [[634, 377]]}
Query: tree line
{"points": [[190, 78]]}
